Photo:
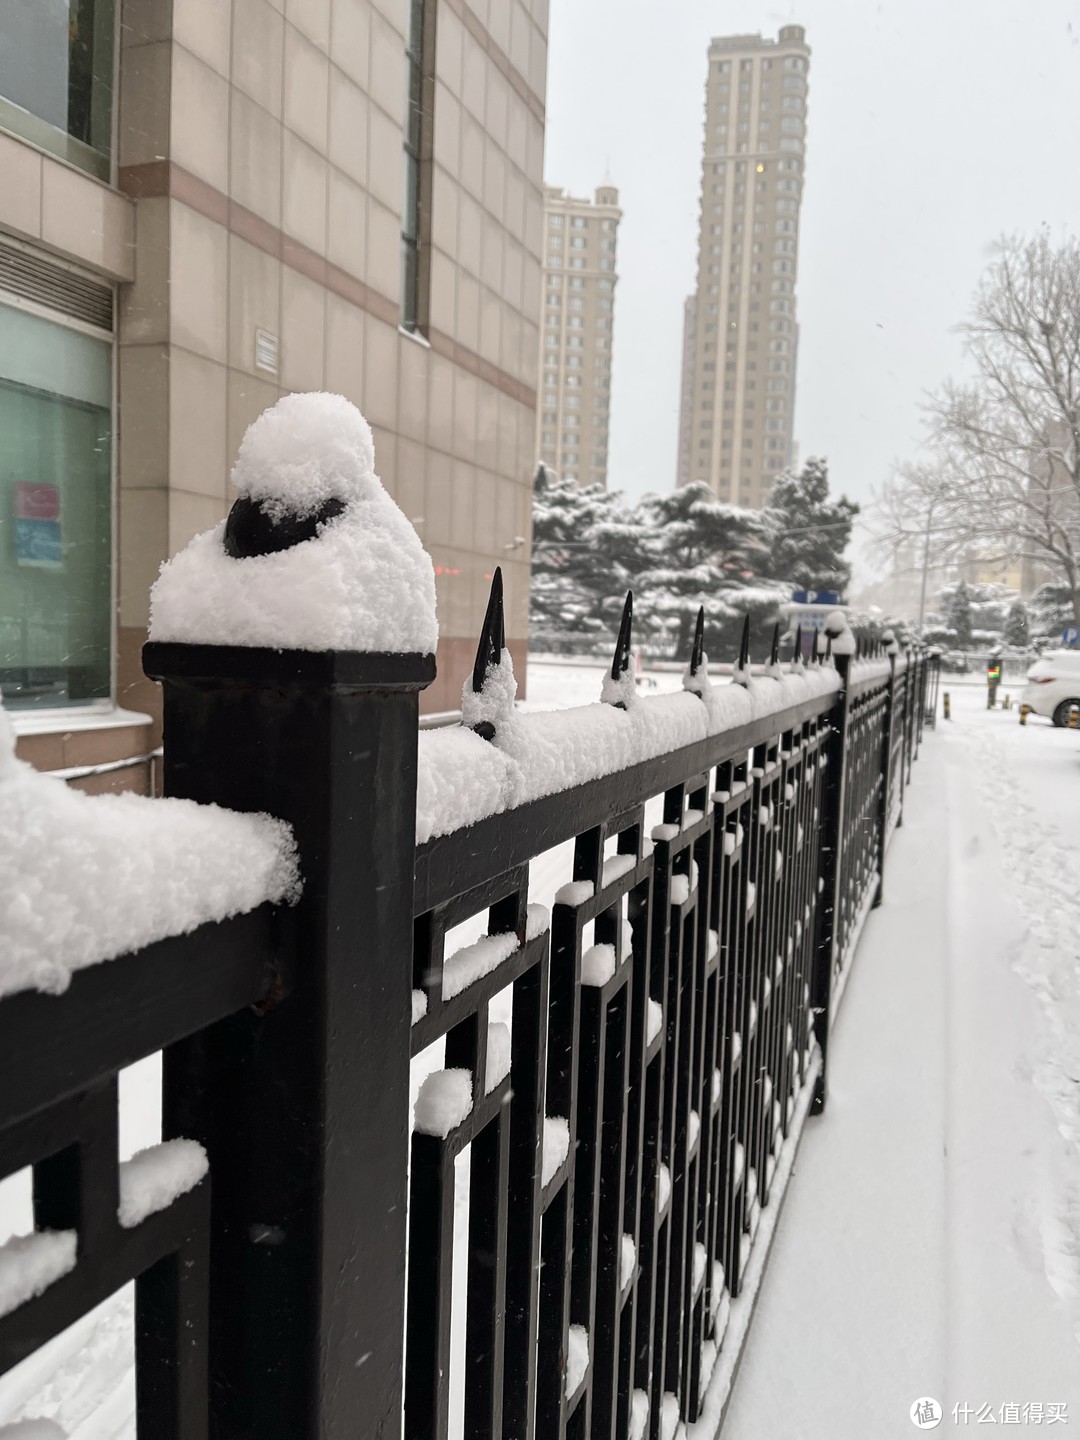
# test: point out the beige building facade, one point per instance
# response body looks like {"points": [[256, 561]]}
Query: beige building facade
{"points": [[738, 389], [686, 389], [205, 204], [577, 333]]}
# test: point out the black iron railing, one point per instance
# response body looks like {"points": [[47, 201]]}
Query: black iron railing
{"points": [[628, 1148]]}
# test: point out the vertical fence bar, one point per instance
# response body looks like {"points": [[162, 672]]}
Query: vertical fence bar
{"points": [[303, 1106], [885, 793], [834, 753]]}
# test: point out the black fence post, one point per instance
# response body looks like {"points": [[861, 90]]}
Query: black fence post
{"points": [[303, 1102], [885, 794], [832, 841]]}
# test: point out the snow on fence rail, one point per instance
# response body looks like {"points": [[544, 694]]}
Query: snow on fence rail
{"points": [[628, 1070]]}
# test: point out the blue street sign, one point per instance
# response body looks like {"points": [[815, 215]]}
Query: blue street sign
{"points": [[1071, 636], [815, 597]]}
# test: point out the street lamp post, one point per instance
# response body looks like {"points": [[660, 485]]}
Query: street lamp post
{"points": [[925, 564]]}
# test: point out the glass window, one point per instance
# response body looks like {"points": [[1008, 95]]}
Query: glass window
{"points": [[56, 77], [55, 507]]}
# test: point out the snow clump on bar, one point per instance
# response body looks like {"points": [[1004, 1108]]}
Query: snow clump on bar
{"points": [[90, 877], [153, 1178], [361, 582]]}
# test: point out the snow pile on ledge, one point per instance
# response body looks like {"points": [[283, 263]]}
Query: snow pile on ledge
{"points": [[499, 1052], [627, 1261], [556, 1147], [30, 1263], [90, 877], [153, 1178], [32, 1430], [639, 1414], [444, 1101], [364, 582], [577, 1358], [876, 669], [462, 779]]}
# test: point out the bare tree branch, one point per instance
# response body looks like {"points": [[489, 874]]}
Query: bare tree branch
{"points": [[1002, 481]]}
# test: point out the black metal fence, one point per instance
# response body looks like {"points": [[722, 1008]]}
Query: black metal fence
{"points": [[625, 1165]]}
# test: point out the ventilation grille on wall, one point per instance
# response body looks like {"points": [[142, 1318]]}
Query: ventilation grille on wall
{"points": [[30, 277]]}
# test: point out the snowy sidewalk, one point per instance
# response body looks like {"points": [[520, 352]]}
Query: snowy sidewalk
{"points": [[926, 1247]]}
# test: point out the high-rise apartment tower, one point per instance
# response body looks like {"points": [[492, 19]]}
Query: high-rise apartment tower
{"points": [[738, 387], [576, 334]]}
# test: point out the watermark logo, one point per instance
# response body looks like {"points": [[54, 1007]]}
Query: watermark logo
{"points": [[926, 1414]]}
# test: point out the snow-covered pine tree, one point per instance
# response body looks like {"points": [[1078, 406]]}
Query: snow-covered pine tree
{"points": [[1050, 610], [1017, 629], [808, 532], [955, 607], [572, 574], [697, 551]]}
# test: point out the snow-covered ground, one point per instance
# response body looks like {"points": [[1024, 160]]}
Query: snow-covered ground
{"points": [[930, 1243]]}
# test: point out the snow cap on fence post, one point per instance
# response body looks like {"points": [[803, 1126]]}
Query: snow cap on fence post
{"points": [[695, 678], [890, 642], [488, 695], [292, 644], [314, 555], [620, 687], [837, 631]]}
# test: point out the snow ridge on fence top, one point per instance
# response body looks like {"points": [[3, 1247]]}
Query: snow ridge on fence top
{"points": [[873, 669], [363, 583], [90, 877], [462, 778]]}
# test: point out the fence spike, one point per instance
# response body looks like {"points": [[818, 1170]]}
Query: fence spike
{"points": [[828, 648], [796, 658], [774, 651], [492, 635], [744, 644], [614, 691], [621, 662], [698, 650]]}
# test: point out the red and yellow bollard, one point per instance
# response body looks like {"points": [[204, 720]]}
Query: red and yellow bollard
{"points": [[1024, 711], [945, 707], [1074, 717]]}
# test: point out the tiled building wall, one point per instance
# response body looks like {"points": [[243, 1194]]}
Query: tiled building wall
{"points": [[687, 387], [262, 144], [577, 339]]}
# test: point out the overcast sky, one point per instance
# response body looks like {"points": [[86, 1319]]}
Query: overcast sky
{"points": [[933, 126]]}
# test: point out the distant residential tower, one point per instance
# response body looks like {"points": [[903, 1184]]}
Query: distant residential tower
{"points": [[576, 334], [740, 326]]}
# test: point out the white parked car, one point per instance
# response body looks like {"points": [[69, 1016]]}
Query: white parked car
{"points": [[1053, 685]]}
